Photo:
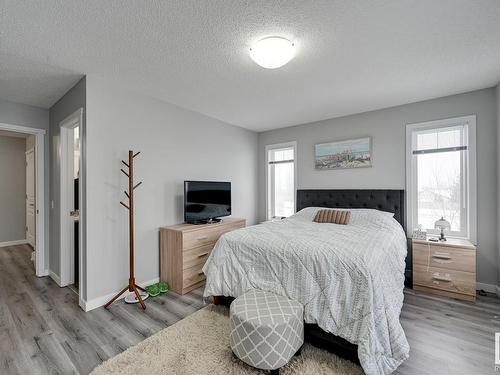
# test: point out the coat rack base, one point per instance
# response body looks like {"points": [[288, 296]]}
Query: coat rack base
{"points": [[131, 287]]}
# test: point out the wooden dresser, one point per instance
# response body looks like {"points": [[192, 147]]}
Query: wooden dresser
{"points": [[184, 249], [445, 268]]}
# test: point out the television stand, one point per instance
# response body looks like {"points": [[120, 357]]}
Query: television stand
{"points": [[184, 249], [208, 221]]}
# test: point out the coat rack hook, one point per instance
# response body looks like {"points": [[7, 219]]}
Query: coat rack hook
{"points": [[124, 205], [125, 164], [137, 153], [126, 174], [137, 185], [128, 196]]}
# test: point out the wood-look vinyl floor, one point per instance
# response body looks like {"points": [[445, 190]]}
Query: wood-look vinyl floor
{"points": [[43, 331]]}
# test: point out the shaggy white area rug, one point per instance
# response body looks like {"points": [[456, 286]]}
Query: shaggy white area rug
{"points": [[199, 344]]}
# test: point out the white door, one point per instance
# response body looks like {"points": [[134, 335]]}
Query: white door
{"points": [[30, 197]]}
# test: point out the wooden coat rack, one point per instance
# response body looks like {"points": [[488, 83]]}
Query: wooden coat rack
{"points": [[132, 286]]}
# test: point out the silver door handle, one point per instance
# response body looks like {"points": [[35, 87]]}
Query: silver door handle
{"points": [[74, 213]]}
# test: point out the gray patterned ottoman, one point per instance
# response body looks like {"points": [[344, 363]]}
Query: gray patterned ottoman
{"points": [[266, 329]]}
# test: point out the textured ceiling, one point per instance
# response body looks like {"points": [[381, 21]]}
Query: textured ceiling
{"points": [[353, 55]]}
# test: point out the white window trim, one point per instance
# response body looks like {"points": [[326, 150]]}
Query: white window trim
{"points": [[471, 169], [274, 147]]}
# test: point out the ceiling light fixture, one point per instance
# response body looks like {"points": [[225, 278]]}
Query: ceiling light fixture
{"points": [[272, 52]]}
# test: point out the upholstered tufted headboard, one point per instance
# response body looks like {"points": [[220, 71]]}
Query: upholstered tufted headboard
{"points": [[384, 200]]}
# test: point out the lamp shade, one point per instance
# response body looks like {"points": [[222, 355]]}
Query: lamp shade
{"points": [[442, 224]]}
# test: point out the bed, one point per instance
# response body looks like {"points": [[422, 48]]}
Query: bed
{"points": [[349, 278]]}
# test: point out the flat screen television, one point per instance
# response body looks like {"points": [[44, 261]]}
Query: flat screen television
{"points": [[206, 201]]}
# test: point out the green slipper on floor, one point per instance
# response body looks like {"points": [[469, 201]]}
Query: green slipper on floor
{"points": [[153, 290], [163, 286]]}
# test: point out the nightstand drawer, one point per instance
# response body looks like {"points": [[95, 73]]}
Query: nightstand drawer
{"points": [[444, 257], [445, 279]]}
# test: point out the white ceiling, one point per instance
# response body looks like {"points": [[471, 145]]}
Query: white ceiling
{"points": [[353, 55]]}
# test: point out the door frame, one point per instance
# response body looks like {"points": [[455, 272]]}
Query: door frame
{"points": [[29, 151], [66, 257], [41, 259]]}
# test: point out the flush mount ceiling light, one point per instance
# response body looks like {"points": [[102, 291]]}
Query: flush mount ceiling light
{"points": [[272, 52]]}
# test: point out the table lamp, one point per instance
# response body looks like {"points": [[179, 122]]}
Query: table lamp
{"points": [[442, 224]]}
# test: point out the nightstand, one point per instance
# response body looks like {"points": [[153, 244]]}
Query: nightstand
{"points": [[445, 268]]}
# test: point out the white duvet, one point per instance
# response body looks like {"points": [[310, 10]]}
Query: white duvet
{"points": [[349, 278]]}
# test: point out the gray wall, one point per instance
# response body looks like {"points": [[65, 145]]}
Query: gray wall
{"points": [[73, 100], [12, 188], [498, 186], [33, 117], [387, 128], [176, 145]]}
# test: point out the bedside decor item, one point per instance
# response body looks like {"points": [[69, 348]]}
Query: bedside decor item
{"points": [[267, 330], [419, 234], [351, 153], [442, 224], [132, 287], [445, 268]]}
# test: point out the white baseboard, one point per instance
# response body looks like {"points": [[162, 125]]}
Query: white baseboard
{"points": [[54, 277], [490, 288], [44, 273], [101, 301], [13, 243]]}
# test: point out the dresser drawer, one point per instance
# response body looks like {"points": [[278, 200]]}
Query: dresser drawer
{"points": [[444, 257], [196, 256], [192, 276], [185, 248], [203, 237], [445, 279]]}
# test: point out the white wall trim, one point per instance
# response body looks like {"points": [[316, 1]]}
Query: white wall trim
{"points": [[44, 273], [13, 243], [101, 301], [41, 260], [498, 291], [66, 177], [56, 278], [490, 288]]}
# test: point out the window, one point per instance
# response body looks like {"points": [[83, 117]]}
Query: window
{"points": [[280, 163], [441, 175]]}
